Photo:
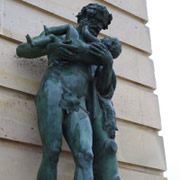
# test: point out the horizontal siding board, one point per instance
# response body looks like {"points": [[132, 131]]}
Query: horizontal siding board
{"points": [[22, 162], [136, 104], [130, 31], [135, 7], [140, 147], [19, 123], [26, 19], [133, 175], [20, 20], [20, 73], [135, 66]]}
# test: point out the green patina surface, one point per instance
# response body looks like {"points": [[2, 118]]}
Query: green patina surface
{"points": [[74, 98]]}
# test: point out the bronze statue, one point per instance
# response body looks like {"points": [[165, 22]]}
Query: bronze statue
{"points": [[74, 98]]}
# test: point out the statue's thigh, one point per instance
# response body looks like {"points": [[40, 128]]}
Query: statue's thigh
{"points": [[78, 132], [50, 115]]}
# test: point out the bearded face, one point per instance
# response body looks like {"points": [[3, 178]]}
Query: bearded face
{"points": [[96, 17]]}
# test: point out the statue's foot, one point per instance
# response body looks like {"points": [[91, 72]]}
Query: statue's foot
{"points": [[29, 40], [46, 30]]}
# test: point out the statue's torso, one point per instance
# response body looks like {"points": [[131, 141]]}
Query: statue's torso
{"points": [[73, 76]]}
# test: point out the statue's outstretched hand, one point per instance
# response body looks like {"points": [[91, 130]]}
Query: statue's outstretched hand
{"points": [[101, 52], [94, 53], [73, 52], [68, 51]]}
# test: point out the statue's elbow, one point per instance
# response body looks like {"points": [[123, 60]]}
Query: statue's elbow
{"points": [[18, 51], [23, 50]]}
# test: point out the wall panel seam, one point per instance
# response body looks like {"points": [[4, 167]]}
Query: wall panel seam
{"points": [[128, 13]]}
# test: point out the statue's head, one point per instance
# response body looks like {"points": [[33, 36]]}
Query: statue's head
{"points": [[113, 45], [95, 16]]}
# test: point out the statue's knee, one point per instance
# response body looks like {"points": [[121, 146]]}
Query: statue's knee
{"points": [[85, 158], [111, 146], [52, 154], [116, 177]]}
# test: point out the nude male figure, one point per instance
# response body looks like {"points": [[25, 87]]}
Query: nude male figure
{"points": [[61, 100]]}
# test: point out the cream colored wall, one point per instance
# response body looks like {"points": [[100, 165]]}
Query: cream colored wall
{"points": [[141, 151]]}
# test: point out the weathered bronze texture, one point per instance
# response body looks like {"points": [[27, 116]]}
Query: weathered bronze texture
{"points": [[74, 98]]}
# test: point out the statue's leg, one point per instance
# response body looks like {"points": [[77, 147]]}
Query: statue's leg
{"points": [[78, 134], [50, 117], [104, 148]]}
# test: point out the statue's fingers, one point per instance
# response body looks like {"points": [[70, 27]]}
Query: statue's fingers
{"points": [[65, 56], [69, 46], [95, 49], [97, 44], [66, 51], [85, 28], [103, 46], [100, 46], [94, 53], [63, 51]]}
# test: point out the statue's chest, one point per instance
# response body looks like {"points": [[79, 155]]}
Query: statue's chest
{"points": [[74, 77]]}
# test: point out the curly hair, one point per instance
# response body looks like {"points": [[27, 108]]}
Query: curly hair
{"points": [[93, 9], [113, 45]]}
